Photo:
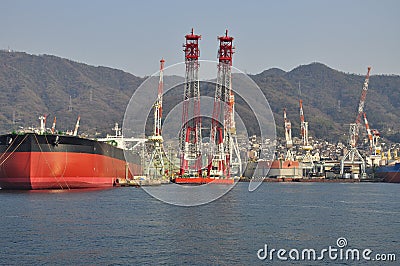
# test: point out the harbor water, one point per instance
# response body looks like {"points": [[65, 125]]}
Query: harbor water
{"points": [[126, 226]]}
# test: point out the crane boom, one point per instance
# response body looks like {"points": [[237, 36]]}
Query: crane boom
{"points": [[355, 131], [362, 98], [159, 102], [288, 130], [368, 132], [53, 127], [303, 126], [76, 127]]}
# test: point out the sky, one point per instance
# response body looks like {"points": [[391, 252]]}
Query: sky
{"points": [[133, 35]]}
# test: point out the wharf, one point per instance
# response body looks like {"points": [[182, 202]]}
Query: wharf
{"points": [[313, 180]]}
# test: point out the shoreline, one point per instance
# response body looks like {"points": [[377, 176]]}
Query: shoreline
{"points": [[313, 180]]}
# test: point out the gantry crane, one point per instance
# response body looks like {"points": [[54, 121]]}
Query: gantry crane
{"points": [[156, 166], [353, 156]]}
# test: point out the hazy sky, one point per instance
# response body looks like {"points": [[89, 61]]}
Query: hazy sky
{"points": [[133, 36]]}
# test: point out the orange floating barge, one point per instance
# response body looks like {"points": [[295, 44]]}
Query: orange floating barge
{"points": [[203, 180]]}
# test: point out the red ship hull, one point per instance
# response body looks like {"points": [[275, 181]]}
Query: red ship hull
{"points": [[25, 168], [392, 177]]}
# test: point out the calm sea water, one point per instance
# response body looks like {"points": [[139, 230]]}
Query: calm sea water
{"points": [[126, 226]]}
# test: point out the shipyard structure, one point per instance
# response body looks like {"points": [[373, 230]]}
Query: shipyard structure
{"points": [[296, 158]]}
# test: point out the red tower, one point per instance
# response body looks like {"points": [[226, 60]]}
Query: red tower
{"points": [[221, 128], [190, 134]]}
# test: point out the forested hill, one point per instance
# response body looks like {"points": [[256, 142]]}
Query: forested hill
{"points": [[33, 85], [331, 98]]}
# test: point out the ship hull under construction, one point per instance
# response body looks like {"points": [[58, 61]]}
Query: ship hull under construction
{"points": [[32, 161], [275, 169]]}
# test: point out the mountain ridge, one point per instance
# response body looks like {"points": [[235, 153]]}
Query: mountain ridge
{"points": [[33, 85]]}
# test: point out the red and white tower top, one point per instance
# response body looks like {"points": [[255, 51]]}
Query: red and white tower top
{"points": [[226, 49], [191, 50]]}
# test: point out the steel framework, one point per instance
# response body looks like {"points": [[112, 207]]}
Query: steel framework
{"points": [[190, 133]]}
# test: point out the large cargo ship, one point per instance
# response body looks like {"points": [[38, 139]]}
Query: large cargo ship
{"points": [[390, 173], [52, 161]]}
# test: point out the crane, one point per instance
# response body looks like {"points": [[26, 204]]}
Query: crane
{"points": [[374, 145], [353, 156], [304, 135], [53, 127], [156, 165], [42, 119], [223, 130], [370, 138], [190, 133], [288, 136], [76, 127]]}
